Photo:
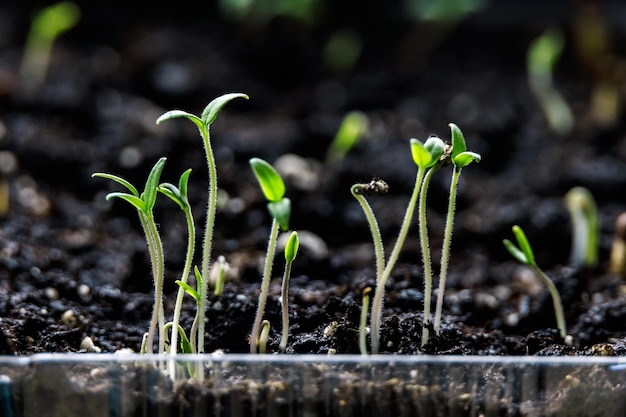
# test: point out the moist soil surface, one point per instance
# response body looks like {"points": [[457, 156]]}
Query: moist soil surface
{"points": [[74, 265]]}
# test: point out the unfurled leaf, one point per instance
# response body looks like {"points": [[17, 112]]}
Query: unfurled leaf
{"points": [[269, 179], [119, 180], [214, 107]]}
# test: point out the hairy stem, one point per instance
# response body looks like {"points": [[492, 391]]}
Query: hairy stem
{"points": [[155, 249], [374, 230], [265, 285], [181, 291], [208, 237], [377, 305], [426, 261], [445, 250]]}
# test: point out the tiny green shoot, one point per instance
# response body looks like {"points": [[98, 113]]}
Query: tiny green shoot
{"points": [[523, 253], [460, 158], [353, 127], [47, 25], [279, 206], [264, 336], [144, 204], [291, 250], [542, 55], [585, 229], [221, 275], [203, 123]]}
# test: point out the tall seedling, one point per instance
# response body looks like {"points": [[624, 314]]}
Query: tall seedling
{"points": [[203, 123]]}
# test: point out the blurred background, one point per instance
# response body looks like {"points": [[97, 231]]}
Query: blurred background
{"points": [[82, 94]]}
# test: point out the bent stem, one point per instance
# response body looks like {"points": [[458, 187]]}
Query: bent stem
{"points": [[445, 250], [377, 304], [357, 192], [556, 299], [426, 260], [265, 285]]}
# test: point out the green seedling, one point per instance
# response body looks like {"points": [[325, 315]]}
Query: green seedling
{"points": [[144, 204], [363, 323], [460, 158], [618, 249], [585, 229], [279, 206], [50, 23], [425, 156], [291, 250], [203, 124], [179, 196], [542, 55], [353, 127], [524, 254], [429, 158]]}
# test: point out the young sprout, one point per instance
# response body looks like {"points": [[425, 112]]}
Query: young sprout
{"points": [[203, 123], [524, 254], [543, 53], [618, 250], [144, 204], [291, 250], [586, 233], [425, 156], [179, 196], [264, 336], [363, 323], [279, 207], [351, 130], [46, 27], [221, 275], [460, 158]]}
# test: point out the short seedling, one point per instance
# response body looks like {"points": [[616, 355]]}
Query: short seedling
{"points": [[47, 26], [585, 229], [279, 207], [291, 250], [144, 204], [203, 123], [543, 53], [352, 128], [524, 254], [460, 158]]}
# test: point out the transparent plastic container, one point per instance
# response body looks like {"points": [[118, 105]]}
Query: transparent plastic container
{"points": [[310, 385]]}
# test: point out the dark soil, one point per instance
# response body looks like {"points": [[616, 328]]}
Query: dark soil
{"points": [[73, 265]]}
